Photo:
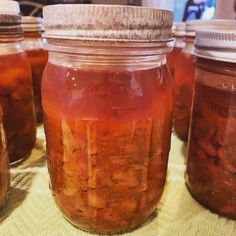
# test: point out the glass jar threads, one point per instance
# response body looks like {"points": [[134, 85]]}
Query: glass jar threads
{"points": [[211, 165], [107, 101]]}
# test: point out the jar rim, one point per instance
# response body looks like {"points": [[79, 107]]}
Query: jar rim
{"points": [[107, 47]]}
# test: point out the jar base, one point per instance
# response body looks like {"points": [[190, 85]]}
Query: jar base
{"points": [[212, 210], [146, 221]]}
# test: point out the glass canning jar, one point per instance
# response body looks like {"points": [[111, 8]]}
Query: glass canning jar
{"points": [[184, 73], [211, 165], [33, 44], [179, 32], [107, 102], [16, 95], [184, 83]]}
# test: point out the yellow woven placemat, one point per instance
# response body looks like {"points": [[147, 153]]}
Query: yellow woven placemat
{"points": [[30, 209]]}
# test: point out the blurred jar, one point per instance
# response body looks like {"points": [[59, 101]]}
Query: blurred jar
{"points": [[4, 164], [107, 101], [178, 32], [16, 95], [33, 44], [211, 166], [184, 73]]}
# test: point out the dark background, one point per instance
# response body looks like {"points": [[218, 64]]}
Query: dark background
{"points": [[34, 8]]}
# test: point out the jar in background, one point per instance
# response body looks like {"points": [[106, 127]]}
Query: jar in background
{"points": [[33, 44], [107, 101], [184, 73], [4, 164], [179, 32], [16, 95], [211, 165]]}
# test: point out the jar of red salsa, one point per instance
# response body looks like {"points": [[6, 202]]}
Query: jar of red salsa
{"points": [[184, 73], [33, 44], [107, 101], [16, 95], [4, 164], [211, 165], [179, 32]]}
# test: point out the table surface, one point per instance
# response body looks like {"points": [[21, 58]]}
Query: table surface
{"points": [[30, 208]]}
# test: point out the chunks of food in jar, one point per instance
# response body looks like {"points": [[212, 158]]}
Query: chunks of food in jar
{"points": [[211, 169], [16, 98], [184, 83], [108, 139], [38, 60]]}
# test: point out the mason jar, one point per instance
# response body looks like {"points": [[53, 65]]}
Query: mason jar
{"points": [[16, 94], [184, 73], [33, 44], [211, 165], [107, 102]]}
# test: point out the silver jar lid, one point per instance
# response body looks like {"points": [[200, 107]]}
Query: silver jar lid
{"points": [[10, 21], [196, 25], [216, 45], [32, 24], [9, 7], [109, 23], [179, 28]]}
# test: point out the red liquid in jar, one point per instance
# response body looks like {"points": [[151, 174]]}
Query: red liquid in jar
{"points": [[108, 139], [16, 98], [172, 57], [184, 83], [38, 59], [211, 169]]}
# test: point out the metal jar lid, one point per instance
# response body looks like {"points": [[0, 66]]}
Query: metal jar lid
{"points": [[9, 7], [32, 24], [110, 23], [196, 25], [216, 45], [179, 29], [10, 20]]}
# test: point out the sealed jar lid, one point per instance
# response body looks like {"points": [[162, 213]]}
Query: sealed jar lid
{"points": [[10, 21], [9, 7], [107, 23], [195, 25], [179, 28], [216, 45], [31, 24]]}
